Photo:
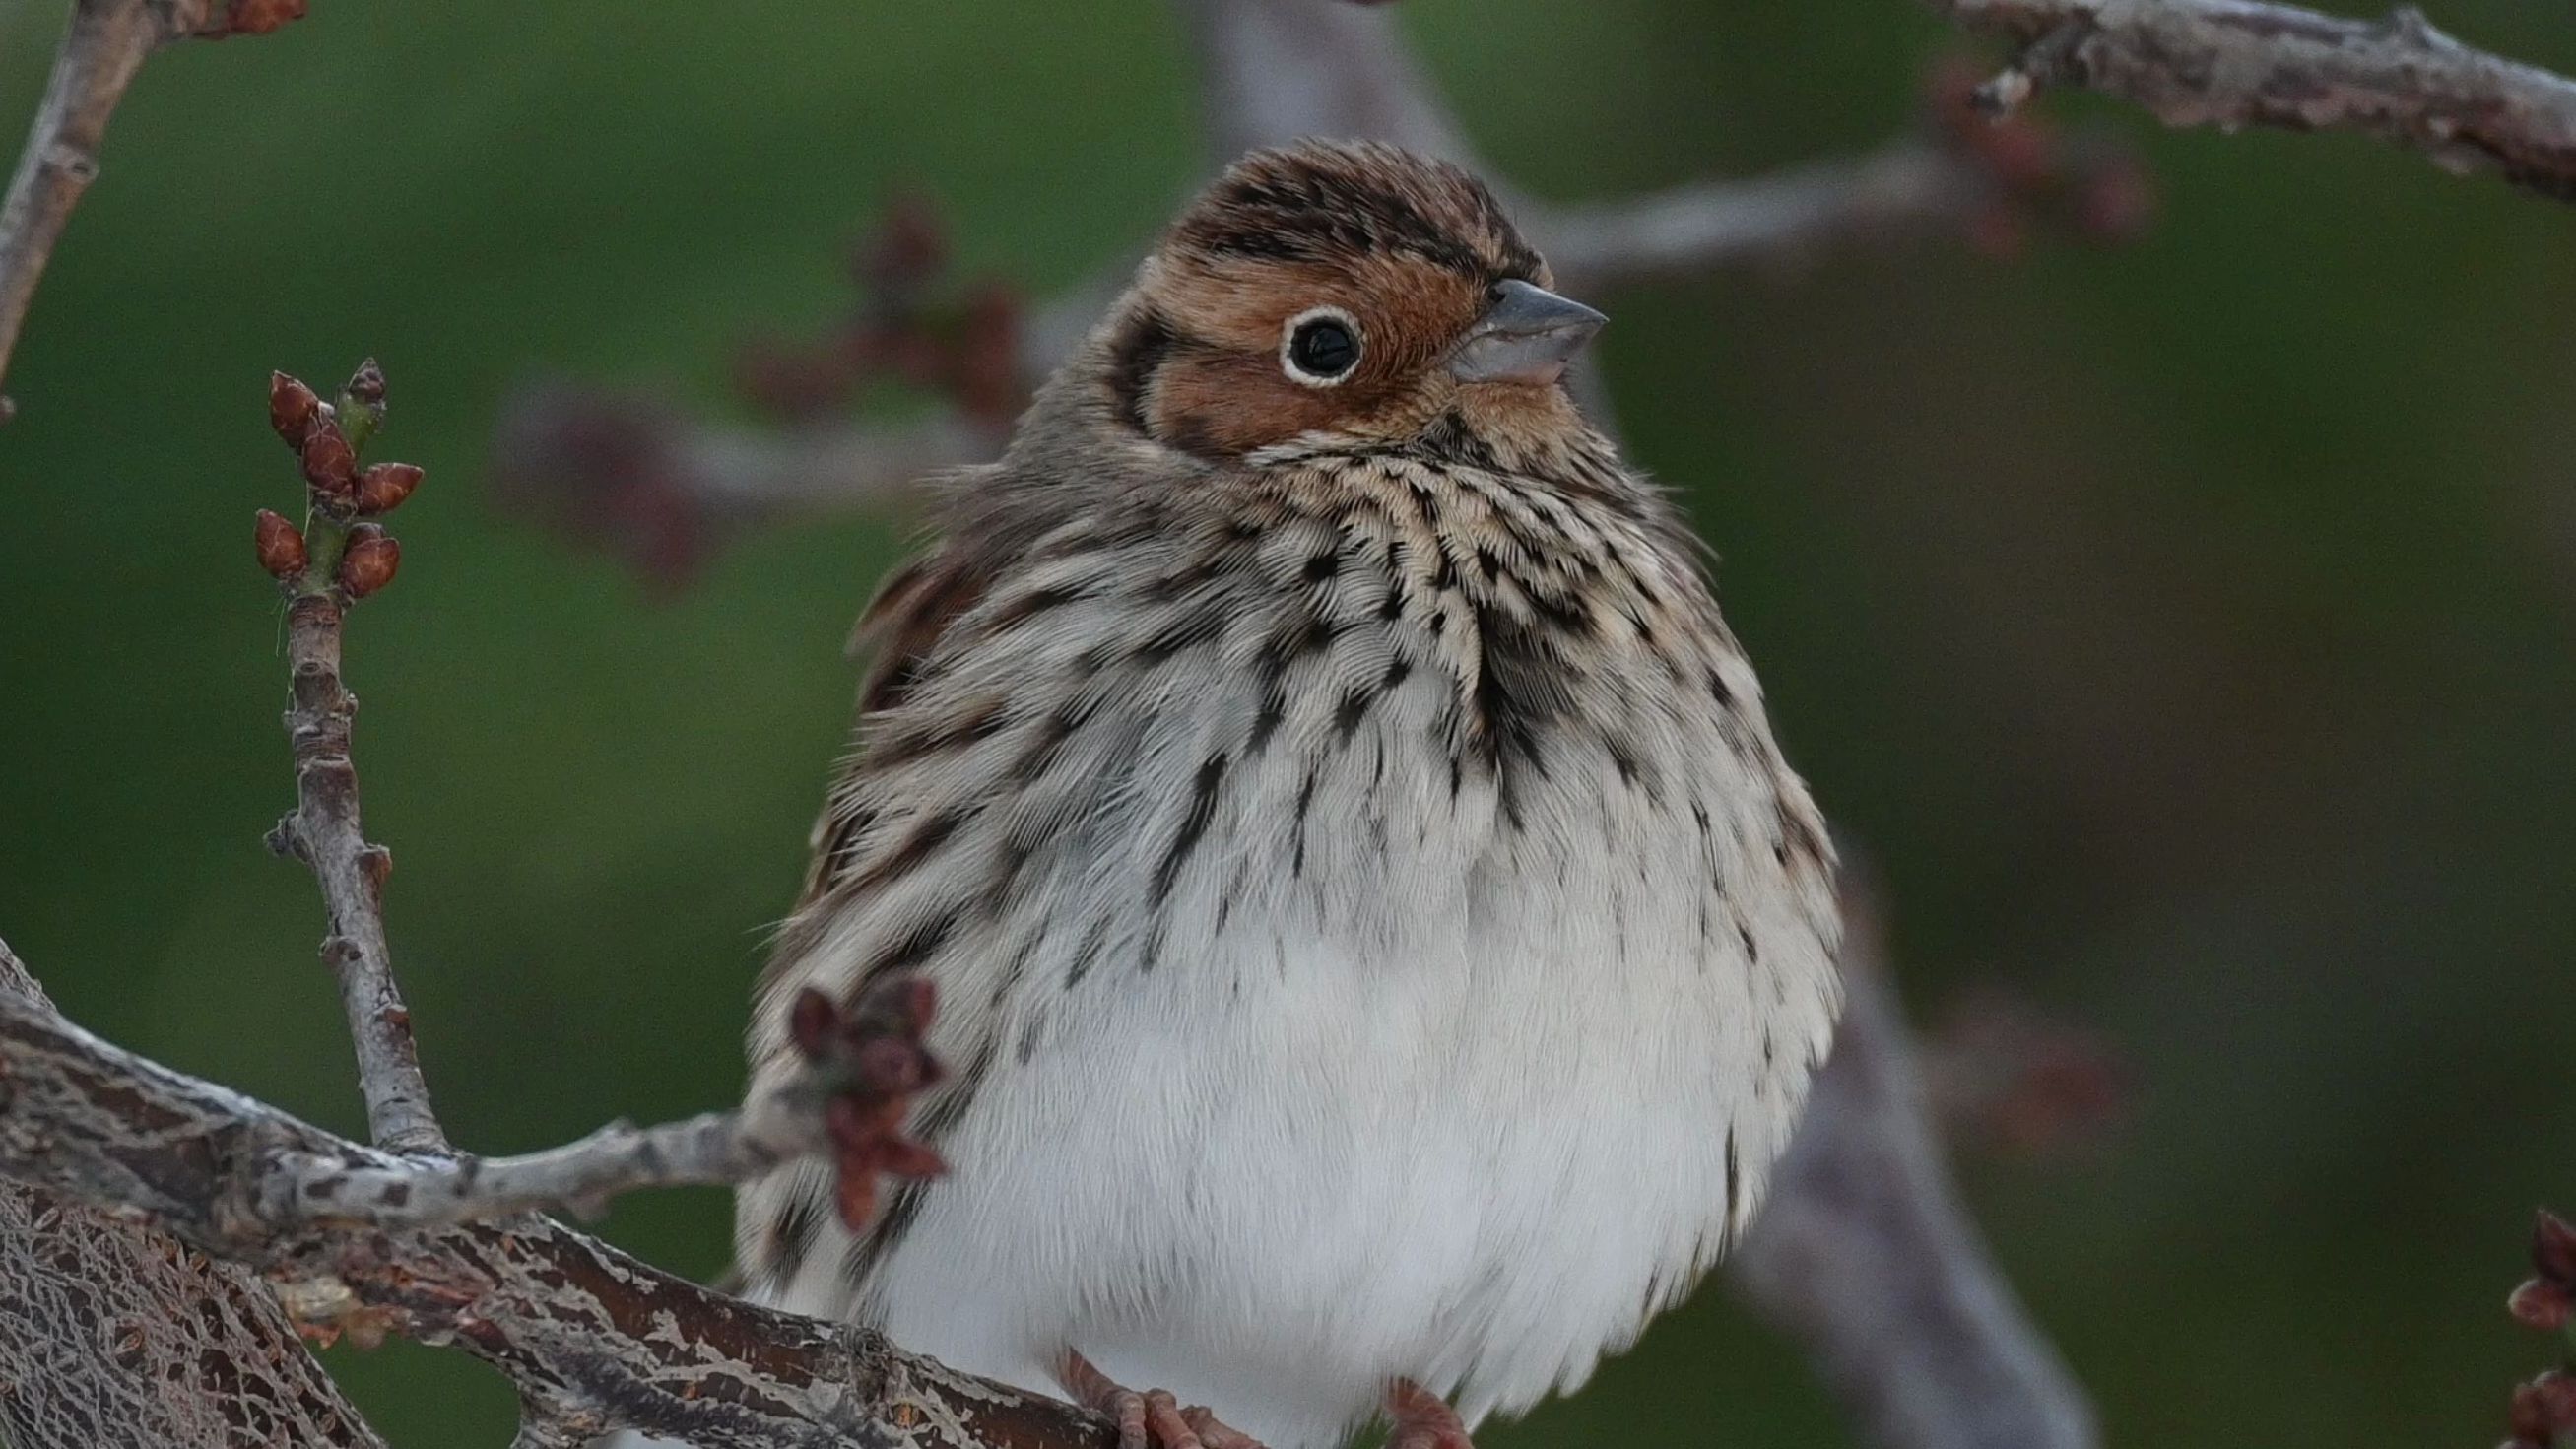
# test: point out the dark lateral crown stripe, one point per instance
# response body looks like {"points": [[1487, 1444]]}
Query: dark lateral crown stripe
{"points": [[1317, 217]]}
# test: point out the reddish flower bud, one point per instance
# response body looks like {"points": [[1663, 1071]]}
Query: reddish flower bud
{"points": [[2116, 202], [984, 372], [329, 465], [2553, 1250], [2541, 1305], [2555, 1394], [291, 408], [281, 546], [2526, 1415], [2021, 154], [910, 248], [1998, 232], [903, 1157], [369, 562], [918, 1001], [811, 1022], [892, 1067], [367, 384], [383, 486], [253, 17], [855, 1195]]}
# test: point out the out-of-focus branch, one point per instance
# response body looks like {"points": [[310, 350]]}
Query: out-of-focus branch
{"points": [[1271, 71], [657, 488], [2239, 63], [114, 1333], [1704, 225], [592, 1339], [104, 45], [1865, 1255]]}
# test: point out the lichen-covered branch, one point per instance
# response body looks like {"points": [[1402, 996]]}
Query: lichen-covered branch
{"points": [[104, 45], [2236, 63], [592, 1339], [114, 1333]]}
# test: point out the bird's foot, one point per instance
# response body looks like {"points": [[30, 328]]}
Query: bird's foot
{"points": [[1422, 1419], [1152, 1419]]}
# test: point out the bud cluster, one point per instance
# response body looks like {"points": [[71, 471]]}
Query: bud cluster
{"points": [[344, 497], [2034, 174], [916, 323], [873, 1056]]}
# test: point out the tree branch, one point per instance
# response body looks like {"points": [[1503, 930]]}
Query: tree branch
{"points": [[104, 45], [2244, 63], [1705, 225], [593, 1339], [113, 1333]]}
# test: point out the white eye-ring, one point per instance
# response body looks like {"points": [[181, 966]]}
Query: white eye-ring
{"points": [[1320, 346]]}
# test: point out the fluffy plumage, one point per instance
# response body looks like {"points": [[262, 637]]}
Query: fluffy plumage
{"points": [[1378, 937]]}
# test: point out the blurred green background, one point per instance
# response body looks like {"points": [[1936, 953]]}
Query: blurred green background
{"points": [[2185, 627]]}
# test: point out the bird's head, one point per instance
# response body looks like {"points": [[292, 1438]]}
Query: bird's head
{"points": [[1349, 293]]}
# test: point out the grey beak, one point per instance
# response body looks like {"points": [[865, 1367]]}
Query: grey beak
{"points": [[1528, 336]]}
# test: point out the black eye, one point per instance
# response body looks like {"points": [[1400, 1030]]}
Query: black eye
{"points": [[1323, 348]]}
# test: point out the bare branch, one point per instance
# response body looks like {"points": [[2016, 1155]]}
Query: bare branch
{"points": [[326, 833], [2244, 63], [1864, 1253], [103, 47], [336, 561], [383, 1190], [1271, 71], [1704, 225]]}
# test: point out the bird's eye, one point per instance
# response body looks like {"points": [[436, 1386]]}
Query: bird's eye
{"points": [[1322, 346]]}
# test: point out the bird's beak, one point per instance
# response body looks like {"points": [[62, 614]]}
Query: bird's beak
{"points": [[1527, 336]]}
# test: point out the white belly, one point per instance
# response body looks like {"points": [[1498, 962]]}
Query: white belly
{"points": [[1392, 1100]]}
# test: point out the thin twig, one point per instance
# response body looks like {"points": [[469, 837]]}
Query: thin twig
{"points": [[326, 832], [104, 45], [385, 1190], [2238, 63], [321, 576], [863, 1068]]}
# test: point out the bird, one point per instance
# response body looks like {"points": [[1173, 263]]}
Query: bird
{"points": [[1381, 949]]}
